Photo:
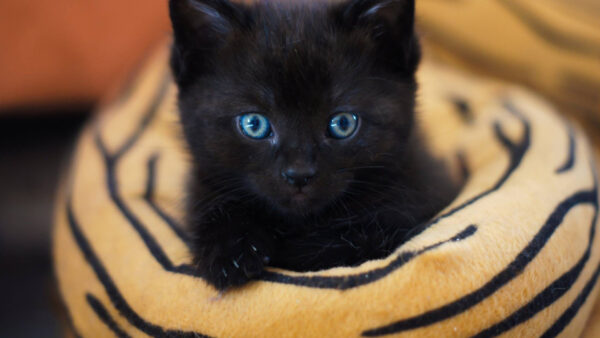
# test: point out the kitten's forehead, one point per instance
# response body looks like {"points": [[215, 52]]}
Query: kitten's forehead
{"points": [[298, 52], [285, 55], [298, 31]]}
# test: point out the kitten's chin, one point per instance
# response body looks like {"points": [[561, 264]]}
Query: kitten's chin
{"points": [[300, 204]]}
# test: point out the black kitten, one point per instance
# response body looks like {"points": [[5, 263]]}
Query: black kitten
{"points": [[299, 118]]}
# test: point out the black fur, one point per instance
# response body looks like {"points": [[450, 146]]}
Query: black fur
{"points": [[298, 64]]}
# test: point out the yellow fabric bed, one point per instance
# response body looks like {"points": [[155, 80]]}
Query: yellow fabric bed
{"points": [[516, 253], [552, 46]]}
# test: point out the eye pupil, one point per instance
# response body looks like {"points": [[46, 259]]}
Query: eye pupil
{"points": [[254, 123], [344, 123]]}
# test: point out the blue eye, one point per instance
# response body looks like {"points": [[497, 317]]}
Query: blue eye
{"points": [[255, 126], [343, 125]]}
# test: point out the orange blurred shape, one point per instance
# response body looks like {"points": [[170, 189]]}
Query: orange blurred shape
{"points": [[65, 52]]}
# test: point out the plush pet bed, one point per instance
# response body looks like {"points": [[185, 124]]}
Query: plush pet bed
{"points": [[552, 46], [516, 253]]}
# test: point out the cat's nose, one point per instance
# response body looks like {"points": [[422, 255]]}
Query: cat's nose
{"points": [[299, 176]]}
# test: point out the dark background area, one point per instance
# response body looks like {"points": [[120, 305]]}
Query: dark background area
{"points": [[34, 150]]}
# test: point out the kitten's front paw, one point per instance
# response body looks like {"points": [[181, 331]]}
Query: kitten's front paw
{"points": [[235, 266]]}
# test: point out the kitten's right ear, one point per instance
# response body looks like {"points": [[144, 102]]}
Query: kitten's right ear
{"points": [[199, 28], [389, 23]]}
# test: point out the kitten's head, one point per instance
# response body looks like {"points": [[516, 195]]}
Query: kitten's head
{"points": [[295, 102]]}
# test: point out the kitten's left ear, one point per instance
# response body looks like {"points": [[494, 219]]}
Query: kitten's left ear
{"points": [[390, 23], [200, 28]]}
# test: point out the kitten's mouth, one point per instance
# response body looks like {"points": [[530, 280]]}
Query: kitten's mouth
{"points": [[299, 198], [300, 202]]}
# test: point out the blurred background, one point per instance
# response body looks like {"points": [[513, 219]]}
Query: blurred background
{"points": [[59, 59]]}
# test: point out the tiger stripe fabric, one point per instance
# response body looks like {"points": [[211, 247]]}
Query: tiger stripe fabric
{"points": [[515, 254], [552, 46]]}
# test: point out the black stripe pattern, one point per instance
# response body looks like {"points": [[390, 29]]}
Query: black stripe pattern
{"points": [[544, 299], [516, 267], [149, 198], [104, 316], [111, 289], [570, 160]]}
